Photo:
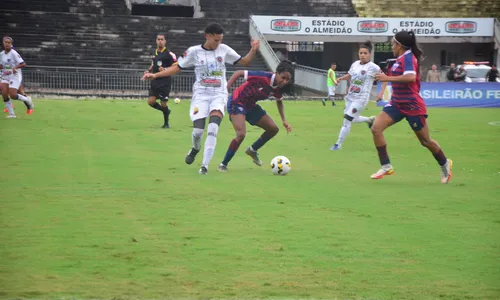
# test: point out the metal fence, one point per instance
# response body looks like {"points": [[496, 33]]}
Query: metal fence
{"points": [[99, 82]]}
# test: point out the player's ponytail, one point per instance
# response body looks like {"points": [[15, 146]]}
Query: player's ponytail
{"points": [[287, 66], [408, 40]]}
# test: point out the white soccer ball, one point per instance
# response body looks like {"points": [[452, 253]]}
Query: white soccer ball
{"points": [[177, 100], [280, 165]]}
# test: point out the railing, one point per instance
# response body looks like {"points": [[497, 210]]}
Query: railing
{"points": [[306, 77], [100, 82]]}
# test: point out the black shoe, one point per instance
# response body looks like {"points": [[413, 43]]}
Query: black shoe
{"points": [[165, 126], [323, 101], [333, 104], [191, 156], [203, 171]]}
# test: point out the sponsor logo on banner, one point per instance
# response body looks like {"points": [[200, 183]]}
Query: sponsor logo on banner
{"points": [[461, 27], [286, 25], [373, 26]]}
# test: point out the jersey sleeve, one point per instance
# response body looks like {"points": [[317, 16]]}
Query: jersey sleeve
{"points": [[188, 59], [17, 57], [351, 70], [172, 58], [231, 56], [278, 94], [410, 64], [374, 70]]}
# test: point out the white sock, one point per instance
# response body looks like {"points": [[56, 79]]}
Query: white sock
{"points": [[10, 108], [344, 131], [361, 119], [23, 98], [210, 143], [196, 138]]}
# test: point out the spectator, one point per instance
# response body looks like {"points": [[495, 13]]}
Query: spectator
{"points": [[451, 73], [492, 74], [460, 74], [433, 75]]}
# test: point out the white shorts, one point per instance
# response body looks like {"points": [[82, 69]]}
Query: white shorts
{"points": [[354, 109], [14, 82], [202, 105], [331, 90]]}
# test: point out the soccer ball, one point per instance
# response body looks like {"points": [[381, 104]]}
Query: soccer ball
{"points": [[177, 100], [280, 165]]}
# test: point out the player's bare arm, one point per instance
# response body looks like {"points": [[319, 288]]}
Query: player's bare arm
{"points": [[380, 95], [406, 78], [19, 66], [234, 77], [172, 70], [245, 61], [345, 77], [281, 110]]}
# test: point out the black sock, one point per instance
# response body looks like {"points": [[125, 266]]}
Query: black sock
{"points": [[157, 106], [166, 114]]}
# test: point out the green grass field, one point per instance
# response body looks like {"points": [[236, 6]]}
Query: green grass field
{"points": [[97, 203]]}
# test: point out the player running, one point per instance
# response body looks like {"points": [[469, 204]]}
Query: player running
{"points": [[361, 75], [10, 64], [242, 107], [210, 88], [406, 103], [160, 87]]}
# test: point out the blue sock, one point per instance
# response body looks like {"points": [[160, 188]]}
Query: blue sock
{"points": [[233, 147], [261, 142]]}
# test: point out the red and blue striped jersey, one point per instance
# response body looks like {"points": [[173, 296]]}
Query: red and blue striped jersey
{"points": [[258, 86], [406, 96]]}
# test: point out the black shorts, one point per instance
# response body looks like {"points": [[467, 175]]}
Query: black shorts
{"points": [[160, 91]]}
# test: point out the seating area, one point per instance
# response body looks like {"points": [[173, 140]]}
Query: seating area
{"points": [[428, 9]]}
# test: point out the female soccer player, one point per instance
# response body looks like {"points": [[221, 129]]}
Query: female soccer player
{"points": [[160, 87], [361, 75], [210, 87], [242, 107], [10, 64], [406, 103]]}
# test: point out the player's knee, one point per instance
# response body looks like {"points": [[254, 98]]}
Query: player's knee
{"points": [[273, 130], [215, 119], [151, 101], [425, 142], [376, 130], [240, 135], [13, 94]]}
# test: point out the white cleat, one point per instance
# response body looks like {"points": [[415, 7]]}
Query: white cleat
{"points": [[11, 116], [446, 171]]}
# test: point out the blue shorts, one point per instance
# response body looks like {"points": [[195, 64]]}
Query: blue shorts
{"points": [[253, 116], [416, 122]]}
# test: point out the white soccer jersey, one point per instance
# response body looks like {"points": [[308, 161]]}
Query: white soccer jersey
{"points": [[9, 61], [362, 77], [209, 67]]}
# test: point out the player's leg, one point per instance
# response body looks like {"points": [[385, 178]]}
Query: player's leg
{"points": [[198, 112], [163, 94], [421, 129], [260, 118], [153, 95], [387, 117], [238, 118], [211, 140], [351, 112], [363, 119], [14, 85], [331, 94], [6, 100]]}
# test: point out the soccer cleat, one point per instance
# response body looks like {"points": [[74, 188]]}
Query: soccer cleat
{"points": [[165, 126], [323, 101], [336, 147], [203, 170], [29, 111], [6, 110], [370, 123], [383, 172], [191, 156], [254, 155], [333, 103], [222, 168], [446, 171], [11, 116]]}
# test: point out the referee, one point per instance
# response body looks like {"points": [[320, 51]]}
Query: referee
{"points": [[160, 87]]}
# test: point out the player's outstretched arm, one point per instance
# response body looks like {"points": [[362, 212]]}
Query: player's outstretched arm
{"points": [[380, 95], [281, 110], [172, 70], [234, 77], [406, 78], [245, 61]]}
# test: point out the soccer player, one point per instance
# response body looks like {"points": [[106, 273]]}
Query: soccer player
{"points": [[160, 87], [361, 76], [406, 103], [210, 87], [242, 106], [10, 64], [331, 83]]}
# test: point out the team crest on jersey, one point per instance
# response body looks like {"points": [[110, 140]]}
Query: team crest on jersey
{"points": [[363, 72], [219, 59], [201, 62]]}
